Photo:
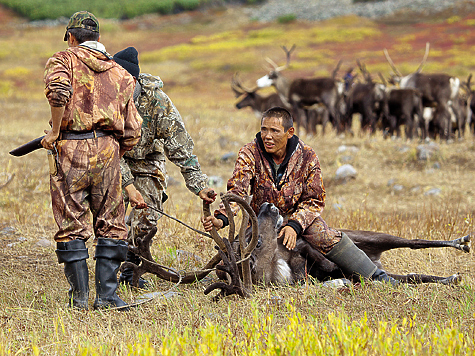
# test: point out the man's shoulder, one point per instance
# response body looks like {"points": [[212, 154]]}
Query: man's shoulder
{"points": [[304, 147], [250, 146]]}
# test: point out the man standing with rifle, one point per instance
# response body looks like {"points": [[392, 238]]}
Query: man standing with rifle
{"points": [[93, 123]]}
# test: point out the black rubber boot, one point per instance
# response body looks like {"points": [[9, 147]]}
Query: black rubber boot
{"points": [[109, 255], [74, 255], [352, 260], [381, 276], [127, 274]]}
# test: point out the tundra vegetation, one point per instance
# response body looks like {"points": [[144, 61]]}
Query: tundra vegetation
{"points": [[196, 56]]}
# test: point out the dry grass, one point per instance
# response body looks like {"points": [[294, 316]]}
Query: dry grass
{"points": [[33, 291]]}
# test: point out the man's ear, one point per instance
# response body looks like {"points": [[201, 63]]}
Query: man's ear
{"points": [[291, 132]]}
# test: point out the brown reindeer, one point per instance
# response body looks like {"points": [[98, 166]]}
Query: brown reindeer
{"points": [[366, 99], [300, 94], [250, 98], [437, 91], [403, 107], [469, 104]]}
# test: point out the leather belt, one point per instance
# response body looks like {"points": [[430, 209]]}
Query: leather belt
{"points": [[73, 135]]}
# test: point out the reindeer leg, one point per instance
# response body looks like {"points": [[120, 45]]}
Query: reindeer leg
{"points": [[414, 278]]}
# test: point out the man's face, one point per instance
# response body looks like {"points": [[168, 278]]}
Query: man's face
{"points": [[274, 136]]}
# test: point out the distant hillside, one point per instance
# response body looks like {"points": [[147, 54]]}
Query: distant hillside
{"points": [[124, 9]]}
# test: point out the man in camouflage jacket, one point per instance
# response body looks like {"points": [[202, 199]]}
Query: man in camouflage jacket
{"points": [[144, 177], [279, 168], [93, 122]]}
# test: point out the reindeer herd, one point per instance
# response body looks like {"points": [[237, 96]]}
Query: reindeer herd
{"points": [[426, 105]]}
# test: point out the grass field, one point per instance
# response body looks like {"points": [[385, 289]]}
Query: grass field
{"points": [[196, 55]]}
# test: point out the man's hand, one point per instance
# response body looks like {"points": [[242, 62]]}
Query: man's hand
{"points": [[208, 195], [290, 237], [210, 221], [135, 198], [52, 135], [49, 139]]}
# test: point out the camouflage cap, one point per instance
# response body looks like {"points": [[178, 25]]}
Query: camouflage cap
{"points": [[76, 21]]}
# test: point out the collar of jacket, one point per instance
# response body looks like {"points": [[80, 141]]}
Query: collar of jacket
{"points": [[292, 144]]}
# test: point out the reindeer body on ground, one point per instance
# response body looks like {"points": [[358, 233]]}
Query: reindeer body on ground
{"points": [[273, 263]]}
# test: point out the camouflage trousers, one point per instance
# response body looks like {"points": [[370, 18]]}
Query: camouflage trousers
{"points": [[88, 182], [322, 237], [141, 221]]}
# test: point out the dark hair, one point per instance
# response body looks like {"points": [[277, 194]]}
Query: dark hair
{"points": [[279, 113], [82, 34]]}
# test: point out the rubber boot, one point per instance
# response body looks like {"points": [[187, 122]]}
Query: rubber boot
{"points": [[352, 260], [127, 274], [109, 255], [74, 255]]}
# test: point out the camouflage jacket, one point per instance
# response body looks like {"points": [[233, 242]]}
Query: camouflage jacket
{"points": [[95, 91], [163, 135], [296, 189]]}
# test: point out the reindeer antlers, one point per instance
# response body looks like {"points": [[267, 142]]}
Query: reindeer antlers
{"points": [[287, 55], [393, 66], [426, 54], [364, 71], [238, 88]]}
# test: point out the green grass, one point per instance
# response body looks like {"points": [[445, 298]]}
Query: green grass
{"points": [[49, 9]]}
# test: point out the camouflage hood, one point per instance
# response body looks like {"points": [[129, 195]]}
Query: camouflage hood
{"points": [[94, 56], [150, 83]]}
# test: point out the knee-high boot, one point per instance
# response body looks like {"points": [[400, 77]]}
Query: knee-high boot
{"points": [[74, 255], [109, 255], [352, 260]]}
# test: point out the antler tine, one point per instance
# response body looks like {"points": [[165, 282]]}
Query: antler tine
{"points": [[337, 68], [236, 86], [391, 63], [247, 250], [272, 63], [383, 79], [426, 54], [219, 241], [287, 56], [364, 71]]}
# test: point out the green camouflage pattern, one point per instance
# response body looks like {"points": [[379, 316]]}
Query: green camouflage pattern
{"points": [[103, 94], [163, 135], [141, 221], [88, 182], [75, 21]]}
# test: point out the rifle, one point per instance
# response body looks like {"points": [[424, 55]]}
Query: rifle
{"points": [[27, 147]]}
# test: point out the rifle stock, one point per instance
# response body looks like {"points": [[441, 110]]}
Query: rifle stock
{"points": [[27, 147]]}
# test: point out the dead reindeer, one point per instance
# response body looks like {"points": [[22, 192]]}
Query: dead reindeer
{"points": [[274, 264], [437, 91]]}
